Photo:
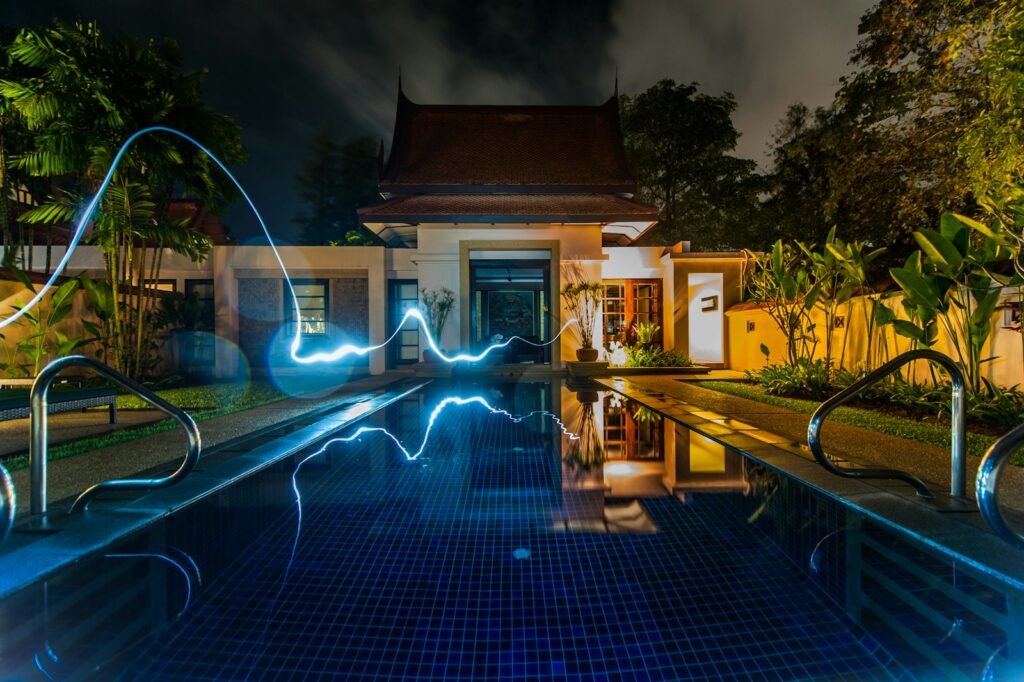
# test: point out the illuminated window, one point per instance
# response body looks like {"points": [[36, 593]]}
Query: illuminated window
{"points": [[628, 302], [311, 295], [170, 285]]}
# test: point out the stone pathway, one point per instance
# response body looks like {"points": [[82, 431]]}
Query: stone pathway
{"points": [[71, 475], [66, 426]]}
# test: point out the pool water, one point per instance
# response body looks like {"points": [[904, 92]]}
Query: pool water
{"points": [[504, 550]]}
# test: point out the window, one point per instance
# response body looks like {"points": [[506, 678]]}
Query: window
{"points": [[629, 302], [202, 290], [170, 285], [311, 295]]}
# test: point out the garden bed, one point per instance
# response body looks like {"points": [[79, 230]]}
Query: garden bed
{"points": [[602, 369]]}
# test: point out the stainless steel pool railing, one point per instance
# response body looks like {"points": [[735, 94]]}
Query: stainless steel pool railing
{"points": [[38, 443], [958, 447], [8, 503], [987, 486]]}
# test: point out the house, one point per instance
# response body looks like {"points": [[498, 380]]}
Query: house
{"points": [[495, 203]]}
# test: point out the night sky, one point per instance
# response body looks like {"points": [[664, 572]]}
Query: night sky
{"points": [[285, 69]]}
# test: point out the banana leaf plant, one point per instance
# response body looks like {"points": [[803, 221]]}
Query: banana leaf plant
{"points": [[949, 284], [45, 341]]}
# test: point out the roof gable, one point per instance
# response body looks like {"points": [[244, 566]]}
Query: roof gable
{"points": [[469, 148]]}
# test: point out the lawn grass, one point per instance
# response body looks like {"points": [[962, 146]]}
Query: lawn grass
{"points": [[202, 402], [239, 394], [930, 434]]}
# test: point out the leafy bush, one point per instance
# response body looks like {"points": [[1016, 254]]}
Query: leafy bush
{"points": [[993, 405], [805, 379], [656, 357], [646, 332]]}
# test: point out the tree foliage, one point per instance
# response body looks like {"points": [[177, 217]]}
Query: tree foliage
{"points": [[335, 179], [930, 120], [679, 142], [78, 96]]}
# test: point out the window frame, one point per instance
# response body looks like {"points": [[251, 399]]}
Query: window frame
{"points": [[289, 308]]}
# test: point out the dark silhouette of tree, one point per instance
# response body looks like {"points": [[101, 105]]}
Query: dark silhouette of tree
{"points": [[336, 179], [679, 143]]}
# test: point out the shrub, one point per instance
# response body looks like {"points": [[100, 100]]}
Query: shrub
{"points": [[656, 357], [804, 379]]}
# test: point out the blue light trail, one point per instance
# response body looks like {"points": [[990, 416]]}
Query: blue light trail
{"points": [[410, 456], [331, 356]]}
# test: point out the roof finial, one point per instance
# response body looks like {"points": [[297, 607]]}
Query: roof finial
{"points": [[616, 81], [399, 79]]}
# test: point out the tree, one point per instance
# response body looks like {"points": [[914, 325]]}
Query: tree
{"points": [[911, 103], [678, 142], [992, 147], [830, 172], [336, 179], [81, 97]]}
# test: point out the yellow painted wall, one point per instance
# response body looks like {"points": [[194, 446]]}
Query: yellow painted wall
{"points": [[748, 329]]}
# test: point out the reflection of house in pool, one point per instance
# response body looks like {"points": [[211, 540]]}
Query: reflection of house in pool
{"points": [[639, 454]]}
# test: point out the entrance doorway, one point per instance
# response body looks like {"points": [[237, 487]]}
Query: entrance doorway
{"points": [[510, 298]]}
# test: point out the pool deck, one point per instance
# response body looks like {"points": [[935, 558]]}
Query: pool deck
{"points": [[72, 475], [856, 444]]}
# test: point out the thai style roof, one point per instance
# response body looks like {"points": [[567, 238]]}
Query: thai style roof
{"points": [[508, 208], [469, 148]]}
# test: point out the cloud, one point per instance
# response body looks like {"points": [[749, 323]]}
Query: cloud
{"points": [[359, 63], [769, 54]]}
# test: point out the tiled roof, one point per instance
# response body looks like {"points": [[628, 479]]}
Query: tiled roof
{"points": [[442, 148], [506, 208]]}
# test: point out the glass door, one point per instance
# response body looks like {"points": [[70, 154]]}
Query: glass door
{"points": [[509, 298], [402, 297]]}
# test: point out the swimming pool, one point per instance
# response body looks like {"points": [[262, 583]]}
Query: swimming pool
{"points": [[515, 531]]}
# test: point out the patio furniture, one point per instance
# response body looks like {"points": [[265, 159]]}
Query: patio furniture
{"points": [[14, 402]]}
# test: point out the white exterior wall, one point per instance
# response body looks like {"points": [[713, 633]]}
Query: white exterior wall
{"points": [[438, 263], [645, 262]]}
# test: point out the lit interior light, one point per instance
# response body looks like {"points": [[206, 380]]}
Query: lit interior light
{"points": [[621, 469], [338, 353]]}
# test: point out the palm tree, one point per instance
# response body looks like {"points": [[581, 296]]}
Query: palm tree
{"points": [[80, 97]]}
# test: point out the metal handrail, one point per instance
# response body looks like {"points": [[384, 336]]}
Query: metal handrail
{"points": [[8, 503], [987, 486], [38, 445], [958, 448]]}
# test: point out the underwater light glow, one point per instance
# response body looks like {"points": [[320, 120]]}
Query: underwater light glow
{"points": [[337, 354]]}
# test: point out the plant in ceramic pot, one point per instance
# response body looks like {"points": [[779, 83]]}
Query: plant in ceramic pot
{"points": [[583, 301], [437, 305]]}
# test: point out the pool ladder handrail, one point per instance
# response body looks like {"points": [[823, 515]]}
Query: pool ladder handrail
{"points": [[958, 447], [8, 503], [987, 485], [38, 443]]}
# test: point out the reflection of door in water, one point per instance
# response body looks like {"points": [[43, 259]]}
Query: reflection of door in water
{"points": [[705, 317]]}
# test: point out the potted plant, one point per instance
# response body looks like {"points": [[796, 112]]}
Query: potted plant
{"points": [[583, 301], [437, 304]]}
